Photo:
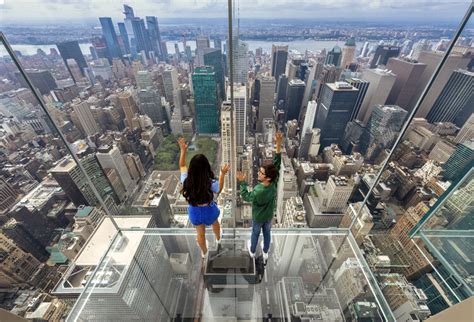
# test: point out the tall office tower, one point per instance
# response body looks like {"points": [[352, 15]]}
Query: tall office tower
{"points": [[202, 42], [432, 59], [315, 70], [129, 16], [294, 94], [110, 157], [334, 57], [362, 86], [129, 107], [334, 111], [348, 53], [164, 50], [8, 196], [315, 143], [362, 225], [71, 50], [226, 143], [305, 144], [176, 51], [124, 37], [143, 79], [291, 129], [454, 103], [240, 114], [18, 266], [309, 116], [334, 194], [150, 105], [217, 43], [279, 58], [23, 236], [460, 159], [381, 83], [287, 186], [350, 283], [266, 100], [110, 37], [241, 64], [141, 36], [410, 252], [467, 131], [75, 71], [294, 67], [86, 118], [352, 135], [281, 88], [206, 100], [170, 82], [74, 183], [155, 36], [408, 75], [383, 53], [329, 74], [43, 80], [382, 129], [213, 57], [365, 49]]}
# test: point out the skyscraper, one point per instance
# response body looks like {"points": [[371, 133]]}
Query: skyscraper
{"points": [[279, 58], [334, 57], [43, 80], [467, 131], [124, 36], [309, 116], [170, 82], [462, 157], [110, 157], [129, 16], [206, 100], [213, 57], [348, 53], [456, 97], [382, 128], [8, 196], [143, 79], [141, 36], [240, 114], [266, 102], [110, 37], [150, 104], [71, 50], [362, 86], [281, 91], [86, 118], [381, 83], [240, 50], [155, 36], [334, 111], [383, 53], [226, 143], [408, 76], [129, 107], [202, 42], [294, 94], [329, 74]]}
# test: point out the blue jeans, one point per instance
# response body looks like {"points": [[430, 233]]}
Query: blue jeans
{"points": [[256, 227]]}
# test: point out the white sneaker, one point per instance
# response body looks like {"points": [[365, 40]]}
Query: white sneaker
{"points": [[252, 255], [265, 257]]}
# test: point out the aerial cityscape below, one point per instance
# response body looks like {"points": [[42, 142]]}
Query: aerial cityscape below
{"points": [[377, 163]]}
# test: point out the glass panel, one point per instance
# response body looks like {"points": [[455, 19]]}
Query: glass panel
{"points": [[159, 274]]}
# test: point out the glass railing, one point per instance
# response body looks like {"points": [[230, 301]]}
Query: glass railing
{"points": [[158, 274]]}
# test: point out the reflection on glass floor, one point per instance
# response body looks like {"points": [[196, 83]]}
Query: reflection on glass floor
{"points": [[158, 275]]}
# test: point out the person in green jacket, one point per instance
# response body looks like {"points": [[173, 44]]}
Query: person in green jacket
{"points": [[263, 198]]}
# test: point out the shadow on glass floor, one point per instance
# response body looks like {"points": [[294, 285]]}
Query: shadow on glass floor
{"points": [[158, 275]]}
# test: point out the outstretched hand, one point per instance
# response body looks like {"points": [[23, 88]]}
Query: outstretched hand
{"points": [[278, 138], [182, 144], [241, 176], [225, 168]]}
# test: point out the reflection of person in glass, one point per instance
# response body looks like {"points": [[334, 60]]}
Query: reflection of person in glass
{"points": [[199, 186], [263, 198]]}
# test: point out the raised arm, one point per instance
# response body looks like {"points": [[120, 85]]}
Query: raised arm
{"points": [[244, 192], [182, 156], [224, 170]]}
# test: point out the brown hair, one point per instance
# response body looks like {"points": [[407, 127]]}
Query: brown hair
{"points": [[270, 171]]}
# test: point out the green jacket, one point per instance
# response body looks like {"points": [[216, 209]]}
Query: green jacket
{"points": [[263, 198]]}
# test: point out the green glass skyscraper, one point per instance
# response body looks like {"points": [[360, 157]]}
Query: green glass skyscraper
{"points": [[461, 158], [213, 57], [205, 100]]}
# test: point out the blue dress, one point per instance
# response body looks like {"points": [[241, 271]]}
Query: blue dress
{"points": [[207, 215]]}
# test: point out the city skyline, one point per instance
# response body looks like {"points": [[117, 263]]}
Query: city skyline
{"points": [[376, 11]]}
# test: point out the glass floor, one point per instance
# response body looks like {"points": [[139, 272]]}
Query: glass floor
{"points": [[159, 275]]}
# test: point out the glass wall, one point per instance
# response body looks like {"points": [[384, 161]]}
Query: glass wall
{"points": [[373, 193]]}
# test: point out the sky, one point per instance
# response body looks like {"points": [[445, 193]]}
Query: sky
{"points": [[368, 10]]}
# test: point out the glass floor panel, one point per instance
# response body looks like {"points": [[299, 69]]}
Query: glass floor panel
{"points": [[159, 275]]}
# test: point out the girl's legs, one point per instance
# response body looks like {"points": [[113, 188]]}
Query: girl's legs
{"points": [[201, 237], [216, 228]]}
